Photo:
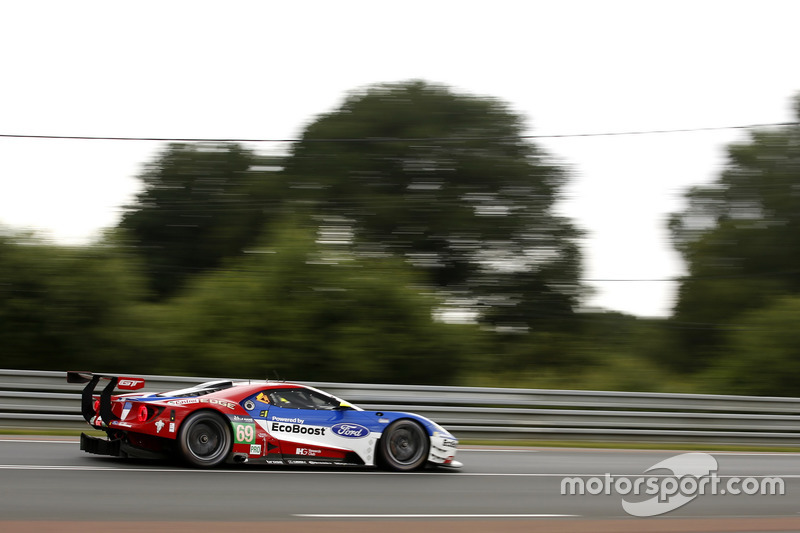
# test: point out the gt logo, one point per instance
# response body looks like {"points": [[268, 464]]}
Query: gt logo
{"points": [[130, 383]]}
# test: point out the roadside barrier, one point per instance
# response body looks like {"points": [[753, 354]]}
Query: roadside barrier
{"points": [[43, 400]]}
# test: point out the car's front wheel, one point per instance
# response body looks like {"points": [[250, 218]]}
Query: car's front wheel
{"points": [[205, 439], [404, 446]]}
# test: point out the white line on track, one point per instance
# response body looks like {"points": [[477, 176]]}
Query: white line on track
{"points": [[470, 450], [776, 454], [29, 441], [350, 516], [267, 471]]}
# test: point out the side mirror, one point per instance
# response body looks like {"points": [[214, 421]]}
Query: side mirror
{"points": [[343, 406]]}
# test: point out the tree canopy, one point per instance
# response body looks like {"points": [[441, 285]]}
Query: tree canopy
{"points": [[740, 238], [200, 204], [294, 308], [63, 307], [448, 182]]}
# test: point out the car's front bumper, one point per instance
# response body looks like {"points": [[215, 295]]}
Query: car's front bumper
{"points": [[443, 451]]}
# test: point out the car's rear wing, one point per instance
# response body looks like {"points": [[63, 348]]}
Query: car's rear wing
{"points": [[87, 396]]}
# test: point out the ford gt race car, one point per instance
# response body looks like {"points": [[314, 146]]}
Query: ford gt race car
{"points": [[269, 421]]}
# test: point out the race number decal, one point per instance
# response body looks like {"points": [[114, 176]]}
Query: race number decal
{"points": [[244, 433]]}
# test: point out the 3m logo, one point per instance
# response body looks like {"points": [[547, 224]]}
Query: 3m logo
{"points": [[130, 383]]}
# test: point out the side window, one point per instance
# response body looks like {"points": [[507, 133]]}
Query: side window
{"points": [[284, 398], [322, 401], [297, 399]]}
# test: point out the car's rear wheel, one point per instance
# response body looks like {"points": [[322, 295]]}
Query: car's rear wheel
{"points": [[404, 446], [205, 439]]}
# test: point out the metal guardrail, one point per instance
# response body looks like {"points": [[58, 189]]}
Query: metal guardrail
{"points": [[37, 400]]}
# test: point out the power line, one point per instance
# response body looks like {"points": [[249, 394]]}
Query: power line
{"points": [[395, 139]]}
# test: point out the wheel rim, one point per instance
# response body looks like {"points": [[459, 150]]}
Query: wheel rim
{"points": [[406, 444], [206, 440]]}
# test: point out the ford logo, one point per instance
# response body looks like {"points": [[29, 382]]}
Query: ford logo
{"points": [[350, 431]]}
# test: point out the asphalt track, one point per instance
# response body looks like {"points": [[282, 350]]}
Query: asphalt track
{"points": [[47, 480]]}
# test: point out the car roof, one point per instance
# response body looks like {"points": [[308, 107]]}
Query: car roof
{"points": [[226, 388]]}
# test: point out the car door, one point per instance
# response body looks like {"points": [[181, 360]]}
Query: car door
{"points": [[305, 422]]}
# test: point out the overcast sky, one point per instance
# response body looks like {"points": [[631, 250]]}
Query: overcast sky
{"points": [[260, 69]]}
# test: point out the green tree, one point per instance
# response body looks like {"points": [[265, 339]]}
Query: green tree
{"points": [[63, 307], [311, 312], [764, 352], [740, 238], [449, 183], [200, 204]]}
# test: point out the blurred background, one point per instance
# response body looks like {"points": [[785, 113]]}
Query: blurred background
{"points": [[413, 231], [409, 236]]}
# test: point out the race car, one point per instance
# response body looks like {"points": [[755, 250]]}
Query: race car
{"points": [[274, 422]]}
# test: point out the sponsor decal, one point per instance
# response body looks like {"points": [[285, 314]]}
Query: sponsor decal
{"points": [[288, 420], [237, 418], [187, 401], [130, 383], [249, 405], [448, 443], [263, 414], [172, 427], [350, 431], [244, 433], [262, 398], [297, 428], [159, 426], [384, 420], [311, 452], [255, 449]]}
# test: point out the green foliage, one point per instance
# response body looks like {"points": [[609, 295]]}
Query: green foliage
{"points": [[607, 351], [200, 205], [63, 307], [447, 182], [740, 238], [763, 356], [307, 313]]}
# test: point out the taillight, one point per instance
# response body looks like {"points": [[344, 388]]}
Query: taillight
{"points": [[143, 414]]}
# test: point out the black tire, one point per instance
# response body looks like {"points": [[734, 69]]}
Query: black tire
{"points": [[404, 446], [205, 439]]}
